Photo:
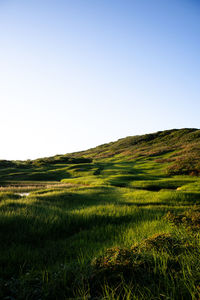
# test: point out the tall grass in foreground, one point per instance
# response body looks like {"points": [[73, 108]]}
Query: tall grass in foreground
{"points": [[51, 239]]}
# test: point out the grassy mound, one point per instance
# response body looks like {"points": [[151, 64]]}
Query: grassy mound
{"points": [[189, 219], [162, 242], [143, 267]]}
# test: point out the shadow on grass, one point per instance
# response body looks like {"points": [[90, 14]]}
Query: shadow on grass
{"points": [[76, 200], [39, 225], [47, 236], [143, 204]]}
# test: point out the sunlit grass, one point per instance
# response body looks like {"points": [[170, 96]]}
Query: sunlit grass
{"points": [[49, 238]]}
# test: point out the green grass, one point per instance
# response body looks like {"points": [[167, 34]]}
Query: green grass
{"points": [[59, 231], [78, 209]]}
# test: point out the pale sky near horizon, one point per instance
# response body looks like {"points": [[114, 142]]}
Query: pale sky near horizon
{"points": [[78, 73]]}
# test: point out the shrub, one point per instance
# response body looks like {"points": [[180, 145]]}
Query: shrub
{"points": [[189, 219], [137, 266], [161, 242]]}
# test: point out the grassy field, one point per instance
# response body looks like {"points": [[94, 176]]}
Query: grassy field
{"points": [[111, 227]]}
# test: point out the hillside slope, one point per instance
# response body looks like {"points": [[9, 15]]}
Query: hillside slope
{"points": [[170, 152], [180, 147]]}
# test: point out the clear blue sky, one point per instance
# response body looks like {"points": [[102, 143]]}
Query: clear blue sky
{"points": [[78, 73]]}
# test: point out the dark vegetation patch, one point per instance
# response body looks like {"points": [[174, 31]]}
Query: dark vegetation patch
{"points": [[189, 219], [8, 195], [61, 159], [138, 267], [155, 188], [98, 170], [163, 242], [81, 167], [52, 168], [7, 164], [119, 264], [159, 184], [186, 164], [121, 180]]}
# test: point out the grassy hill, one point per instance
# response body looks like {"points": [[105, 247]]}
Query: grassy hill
{"points": [[175, 152], [119, 221]]}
